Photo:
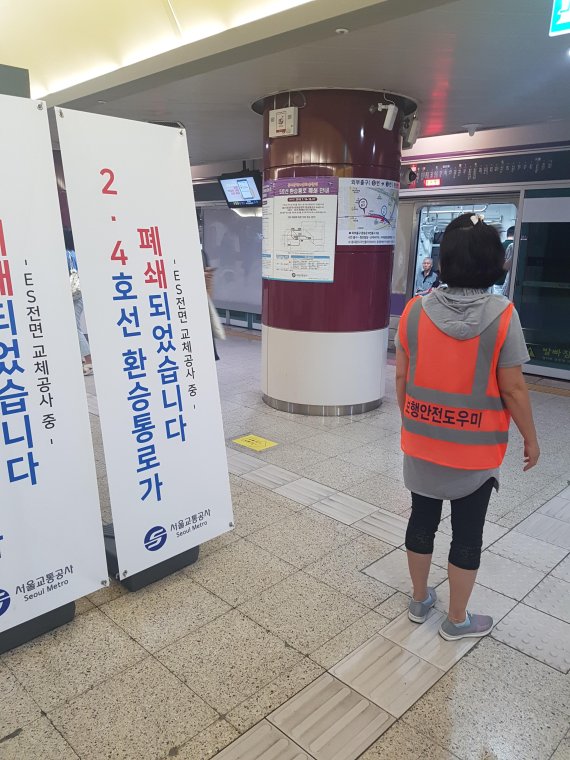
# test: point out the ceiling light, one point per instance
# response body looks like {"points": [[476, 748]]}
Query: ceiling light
{"points": [[342, 30], [101, 101]]}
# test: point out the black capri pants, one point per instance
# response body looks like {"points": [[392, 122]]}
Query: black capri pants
{"points": [[467, 520]]}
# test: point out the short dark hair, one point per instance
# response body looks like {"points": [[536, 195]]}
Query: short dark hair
{"points": [[471, 255], [511, 232]]}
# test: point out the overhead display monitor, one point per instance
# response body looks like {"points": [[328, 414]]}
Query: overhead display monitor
{"points": [[242, 189]]}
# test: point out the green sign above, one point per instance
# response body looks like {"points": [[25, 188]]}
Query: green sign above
{"points": [[560, 21]]}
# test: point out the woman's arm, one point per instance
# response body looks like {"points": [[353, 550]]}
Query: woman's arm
{"points": [[401, 375], [515, 395]]}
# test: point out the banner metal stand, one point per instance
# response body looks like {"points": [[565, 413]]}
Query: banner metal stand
{"points": [[152, 574]]}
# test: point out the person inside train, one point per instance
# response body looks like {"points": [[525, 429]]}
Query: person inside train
{"points": [[426, 279], [509, 238], [503, 283], [459, 382]]}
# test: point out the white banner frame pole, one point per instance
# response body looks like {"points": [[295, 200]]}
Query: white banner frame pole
{"points": [[51, 547], [130, 195]]}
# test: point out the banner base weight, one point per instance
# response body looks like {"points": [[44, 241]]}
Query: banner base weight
{"points": [[152, 574], [31, 629]]}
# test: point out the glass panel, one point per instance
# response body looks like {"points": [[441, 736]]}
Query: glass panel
{"points": [[542, 292], [432, 223], [233, 245]]}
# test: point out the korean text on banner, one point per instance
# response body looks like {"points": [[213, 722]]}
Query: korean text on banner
{"points": [[51, 542], [130, 196], [299, 221]]}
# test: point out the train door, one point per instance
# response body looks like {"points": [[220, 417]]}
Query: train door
{"points": [[542, 282], [431, 220]]}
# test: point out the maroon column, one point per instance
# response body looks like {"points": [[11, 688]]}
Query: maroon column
{"points": [[309, 327]]}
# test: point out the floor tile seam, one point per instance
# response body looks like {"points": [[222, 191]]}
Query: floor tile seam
{"points": [[419, 757], [367, 748], [352, 599], [512, 685], [522, 604], [331, 517], [566, 556], [65, 739], [241, 474], [287, 643], [541, 514], [441, 673], [301, 477], [154, 654], [184, 683], [504, 593], [538, 609], [300, 571], [28, 694], [201, 730], [62, 705], [148, 651], [396, 591], [249, 598], [384, 540], [546, 575], [278, 521], [565, 738], [145, 655], [339, 633], [327, 641], [431, 738], [353, 483], [516, 525], [186, 742], [252, 696], [266, 719], [419, 656], [353, 540], [299, 443], [394, 549], [248, 536]]}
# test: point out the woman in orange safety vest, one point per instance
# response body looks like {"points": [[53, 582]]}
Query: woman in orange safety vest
{"points": [[459, 382]]}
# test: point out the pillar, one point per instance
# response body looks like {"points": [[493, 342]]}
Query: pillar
{"points": [[324, 344]]}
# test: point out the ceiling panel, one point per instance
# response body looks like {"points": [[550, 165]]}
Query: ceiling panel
{"points": [[465, 62]]}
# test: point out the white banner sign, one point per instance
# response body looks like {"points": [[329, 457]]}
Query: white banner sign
{"points": [[132, 209], [367, 211], [299, 215], [51, 542]]}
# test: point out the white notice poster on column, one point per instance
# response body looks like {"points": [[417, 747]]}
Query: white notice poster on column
{"points": [[299, 229], [51, 542], [132, 210], [367, 211]]}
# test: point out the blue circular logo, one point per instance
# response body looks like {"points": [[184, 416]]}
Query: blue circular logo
{"points": [[4, 601], [155, 538]]}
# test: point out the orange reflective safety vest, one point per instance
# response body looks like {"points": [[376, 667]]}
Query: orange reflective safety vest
{"points": [[454, 414]]}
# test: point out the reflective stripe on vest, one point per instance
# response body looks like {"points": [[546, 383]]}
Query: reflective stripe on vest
{"points": [[464, 430]]}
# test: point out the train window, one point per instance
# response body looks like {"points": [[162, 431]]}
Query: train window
{"points": [[434, 218], [542, 287]]}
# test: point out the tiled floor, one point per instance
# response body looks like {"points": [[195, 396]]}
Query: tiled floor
{"points": [[289, 639]]}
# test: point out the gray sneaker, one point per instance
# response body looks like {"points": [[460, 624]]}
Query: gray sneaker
{"points": [[479, 626], [418, 611]]}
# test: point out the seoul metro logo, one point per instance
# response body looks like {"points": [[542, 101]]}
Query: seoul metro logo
{"points": [[155, 538], [4, 601]]}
